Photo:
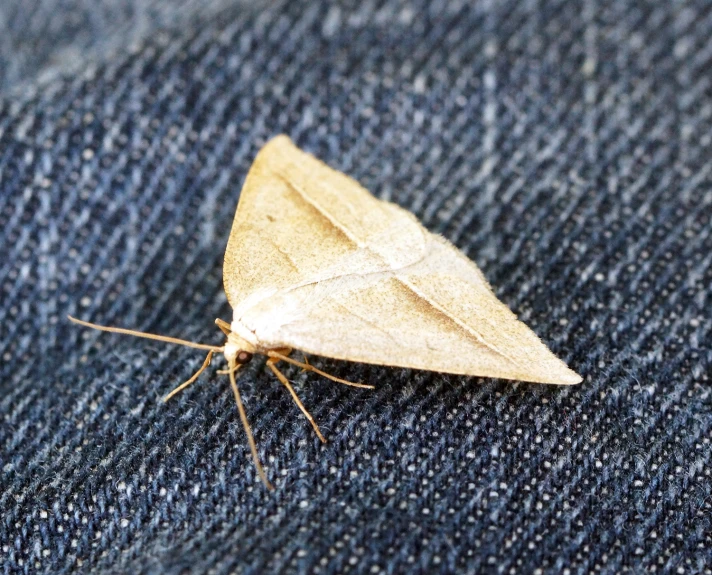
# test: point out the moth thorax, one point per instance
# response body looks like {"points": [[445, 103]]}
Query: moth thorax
{"points": [[243, 335]]}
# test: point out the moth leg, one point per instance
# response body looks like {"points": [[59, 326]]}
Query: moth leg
{"points": [[280, 376], [310, 367], [223, 325], [233, 367], [227, 371], [182, 386]]}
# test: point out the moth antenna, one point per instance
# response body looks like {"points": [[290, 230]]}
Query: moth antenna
{"points": [[310, 367], [182, 386], [246, 424], [280, 376], [146, 335]]}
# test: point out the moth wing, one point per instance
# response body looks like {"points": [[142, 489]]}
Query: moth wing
{"points": [[299, 221], [438, 314], [315, 262]]}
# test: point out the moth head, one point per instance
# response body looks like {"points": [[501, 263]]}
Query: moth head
{"points": [[238, 349]]}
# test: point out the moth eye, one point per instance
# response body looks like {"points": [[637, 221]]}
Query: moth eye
{"points": [[243, 357]]}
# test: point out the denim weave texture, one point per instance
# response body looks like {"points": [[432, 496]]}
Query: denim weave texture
{"points": [[564, 145]]}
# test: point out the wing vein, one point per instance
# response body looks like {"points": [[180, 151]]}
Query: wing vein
{"points": [[324, 212], [468, 329]]}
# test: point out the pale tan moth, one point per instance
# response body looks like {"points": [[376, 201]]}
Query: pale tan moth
{"points": [[315, 263]]}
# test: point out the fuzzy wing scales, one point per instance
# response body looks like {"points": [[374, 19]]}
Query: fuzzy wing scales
{"points": [[315, 262]]}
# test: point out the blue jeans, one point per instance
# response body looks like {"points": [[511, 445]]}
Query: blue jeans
{"points": [[562, 145]]}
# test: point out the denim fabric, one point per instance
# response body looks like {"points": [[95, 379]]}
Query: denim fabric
{"points": [[40, 39], [565, 146]]}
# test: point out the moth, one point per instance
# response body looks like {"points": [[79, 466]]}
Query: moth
{"points": [[316, 263]]}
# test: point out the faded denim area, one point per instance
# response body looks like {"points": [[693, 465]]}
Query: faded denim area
{"points": [[565, 146]]}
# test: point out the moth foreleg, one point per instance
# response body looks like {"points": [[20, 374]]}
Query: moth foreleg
{"points": [[223, 325]]}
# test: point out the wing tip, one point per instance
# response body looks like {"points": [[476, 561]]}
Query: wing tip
{"points": [[278, 140], [549, 370], [569, 378], [562, 375]]}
